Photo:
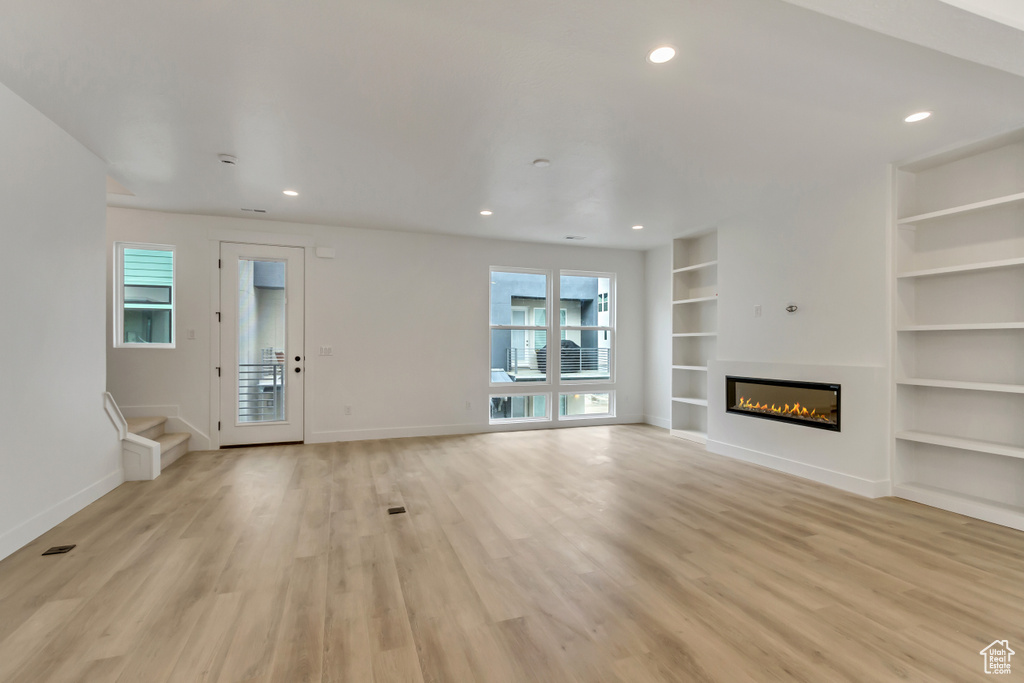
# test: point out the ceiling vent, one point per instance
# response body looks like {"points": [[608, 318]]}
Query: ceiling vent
{"points": [[254, 210], [575, 237], [227, 159]]}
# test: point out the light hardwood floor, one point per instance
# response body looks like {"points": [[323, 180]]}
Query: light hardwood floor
{"points": [[595, 554]]}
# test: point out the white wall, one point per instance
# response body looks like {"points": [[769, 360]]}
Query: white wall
{"points": [[59, 450], [406, 315], [826, 253], [658, 340]]}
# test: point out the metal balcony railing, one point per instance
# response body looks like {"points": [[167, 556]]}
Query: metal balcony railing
{"points": [[575, 362], [260, 392]]}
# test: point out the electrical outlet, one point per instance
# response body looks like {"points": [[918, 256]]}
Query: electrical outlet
{"points": [[190, 334], [469, 406], [757, 311], [348, 410]]}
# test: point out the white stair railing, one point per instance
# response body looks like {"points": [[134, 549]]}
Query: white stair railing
{"points": [[140, 457], [114, 413]]}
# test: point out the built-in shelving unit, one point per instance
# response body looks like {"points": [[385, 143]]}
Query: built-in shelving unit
{"points": [[694, 331], [959, 319]]}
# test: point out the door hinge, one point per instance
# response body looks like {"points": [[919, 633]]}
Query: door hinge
{"points": [[218, 371], [218, 263], [218, 425], [218, 316]]}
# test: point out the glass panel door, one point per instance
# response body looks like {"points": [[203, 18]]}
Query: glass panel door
{"points": [[262, 340], [262, 347]]}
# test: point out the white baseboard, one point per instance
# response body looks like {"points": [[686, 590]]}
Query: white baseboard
{"points": [[452, 430], [970, 506], [33, 528], [663, 422], [839, 480]]}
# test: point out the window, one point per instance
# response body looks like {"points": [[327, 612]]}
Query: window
{"points": [[578, 405], [522, 321], [144, 296], [588, 328], [519, 328], [519, 408]]}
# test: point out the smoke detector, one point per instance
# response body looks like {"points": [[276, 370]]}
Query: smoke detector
{"points": [[227, 159]]}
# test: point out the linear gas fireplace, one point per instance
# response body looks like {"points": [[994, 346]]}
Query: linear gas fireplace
{"points": [[810, 404]]}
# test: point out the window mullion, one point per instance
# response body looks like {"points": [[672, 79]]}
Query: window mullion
{"points": [[554, 350]]}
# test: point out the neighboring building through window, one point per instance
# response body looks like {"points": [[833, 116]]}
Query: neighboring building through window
{"points": [[519, 327], [144, 296], [520, 408], [588, 330]]}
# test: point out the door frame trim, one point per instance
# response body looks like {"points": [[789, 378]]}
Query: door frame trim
{"points": [[217, 236]]}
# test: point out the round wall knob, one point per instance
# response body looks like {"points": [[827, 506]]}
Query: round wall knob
{"points": [[298, 369]]}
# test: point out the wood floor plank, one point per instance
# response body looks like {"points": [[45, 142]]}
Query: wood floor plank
{"points": [[607, 554]]}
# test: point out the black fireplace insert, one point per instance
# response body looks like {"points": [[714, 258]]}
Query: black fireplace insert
{"points": [[811, 404]]}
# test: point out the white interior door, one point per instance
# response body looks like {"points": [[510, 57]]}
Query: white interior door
{"points": [[261, 344]]}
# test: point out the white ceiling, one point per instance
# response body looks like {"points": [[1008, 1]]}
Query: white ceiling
{"points": [[402, 114], [1009, 12]]}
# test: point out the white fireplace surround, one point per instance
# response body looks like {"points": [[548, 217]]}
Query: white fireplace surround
{"points": [[854, 459]]}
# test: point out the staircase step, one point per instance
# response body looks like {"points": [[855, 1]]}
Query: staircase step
{"points": [[172, 447], [147, 427]]}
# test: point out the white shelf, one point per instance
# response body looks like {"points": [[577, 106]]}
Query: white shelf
{"points": [[967, 268], [972, 386], [691, 434], [972, 506], [689, 414], [701, 298], [960, 327], [965, 208], [962, 444], [706, 264], [957, 471], [691, 401]]}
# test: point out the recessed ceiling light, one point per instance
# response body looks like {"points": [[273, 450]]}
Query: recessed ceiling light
{"points": [[291, 193], [660, 55], [638, 227], [541, 163], [485, 212], [919, 116]]}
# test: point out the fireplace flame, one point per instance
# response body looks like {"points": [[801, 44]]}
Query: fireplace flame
{"points": [[796, 409]]}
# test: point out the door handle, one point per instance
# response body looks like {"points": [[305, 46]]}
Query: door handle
{"points": [[298, 369]]}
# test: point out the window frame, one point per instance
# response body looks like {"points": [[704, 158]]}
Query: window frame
{"points": [[610, 328], [119, 302]]}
